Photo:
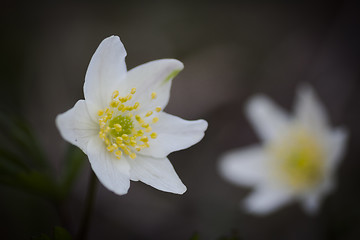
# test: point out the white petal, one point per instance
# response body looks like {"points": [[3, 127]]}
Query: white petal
{"points": [[156, 172], [155, 76], [174, 134], [310, 112], [76, 126], [268, 119], [311, 203], [337, 143], [244, 166], [113, 173], [266, 200], [107, 68]]}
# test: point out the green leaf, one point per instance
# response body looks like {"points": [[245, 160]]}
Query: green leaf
{"points": [[61, 234], [18, 138], [34, 182], [11, 162], [195, 236], [74, 163], [234, 236], [22, 162], [41, 237]]}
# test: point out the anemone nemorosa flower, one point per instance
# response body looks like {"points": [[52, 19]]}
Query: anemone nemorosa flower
{"points": [[297, 159], [121, 125]]}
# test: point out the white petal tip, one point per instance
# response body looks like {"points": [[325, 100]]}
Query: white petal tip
{"points": [[180, 190], [257, 106], [251, 207], [112, 38], [174, 68], [176, 188], [305, 89], [113, 42], [203, 125], [311, 207], [120, 192], [175, 64]]}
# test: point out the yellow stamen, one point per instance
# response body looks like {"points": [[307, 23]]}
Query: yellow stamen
{"points": [[148, 113], [118, 154], [114, 103], [144, 139], [125, 137], [118, 127], [100, 112], [155, 120], [115, 94], [121, 130], [133, 143], [153, 95], [121, 106], [119, 140]]}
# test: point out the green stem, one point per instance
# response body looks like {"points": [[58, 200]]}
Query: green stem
{"points": [[88, 207]]}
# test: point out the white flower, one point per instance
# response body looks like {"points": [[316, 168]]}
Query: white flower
{"points": [[121, 126], [298, 157]]}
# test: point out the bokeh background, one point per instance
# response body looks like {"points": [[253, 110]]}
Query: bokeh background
{"points": [[231, 51]]}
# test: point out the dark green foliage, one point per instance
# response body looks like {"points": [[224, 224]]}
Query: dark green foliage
{"points": [[32, 191], [59, 233]]}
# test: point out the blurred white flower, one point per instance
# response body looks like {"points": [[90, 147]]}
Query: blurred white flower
{"points": [[121, 126], [297, 159]]}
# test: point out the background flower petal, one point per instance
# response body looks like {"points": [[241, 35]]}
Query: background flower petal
{"points": [[244, 166], [311, 202], [310, 112], [337, 143], [76, 126], [106, 69], [266, 117], [265, 200], [155, 76], [156, 172], [174, 134], [113, 173]]}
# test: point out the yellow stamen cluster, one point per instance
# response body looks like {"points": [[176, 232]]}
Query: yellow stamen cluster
{"points": [[122, 129], [299, 159]]}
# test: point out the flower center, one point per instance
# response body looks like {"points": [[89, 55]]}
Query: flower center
{"points": [[123, 128], [297, 159]]}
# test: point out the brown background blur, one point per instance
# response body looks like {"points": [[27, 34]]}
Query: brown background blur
{"points": [[230, 52]]}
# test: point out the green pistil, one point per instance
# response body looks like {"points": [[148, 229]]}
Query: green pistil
{"points": [[125, 122]]}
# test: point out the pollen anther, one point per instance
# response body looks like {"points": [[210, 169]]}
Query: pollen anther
{"points": [[122, 131], [155, 120], [153, 95], [153, 135]]}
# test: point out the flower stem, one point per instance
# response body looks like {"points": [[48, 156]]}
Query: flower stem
{"points": [[83, 231]]}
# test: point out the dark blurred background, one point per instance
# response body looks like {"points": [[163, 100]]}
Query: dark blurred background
{"points": [[230, 50]]}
